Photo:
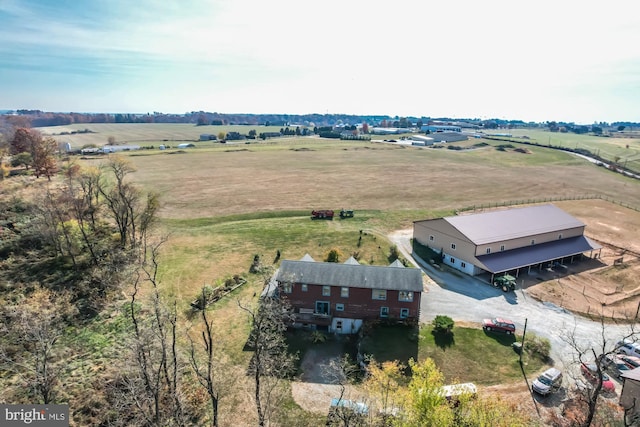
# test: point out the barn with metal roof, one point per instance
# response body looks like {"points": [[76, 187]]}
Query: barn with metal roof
{"points": [[507, 240]]}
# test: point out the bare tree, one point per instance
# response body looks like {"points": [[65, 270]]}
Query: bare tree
{"points": [[132, 216], [594, 354], [153, 387], [210, 376], [345, 411], [38, 324], [271, 361]]}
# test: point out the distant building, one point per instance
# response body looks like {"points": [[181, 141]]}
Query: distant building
{"points": [[208, 137], [388, 131], [440, 128], [115, 148]]}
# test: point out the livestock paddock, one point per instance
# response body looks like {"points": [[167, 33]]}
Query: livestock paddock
{"points": [[608, 286]]}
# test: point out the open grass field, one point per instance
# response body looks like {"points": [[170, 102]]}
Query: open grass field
{"points": [[621, 148], [223, 204], [142, 133], [309, 173]]}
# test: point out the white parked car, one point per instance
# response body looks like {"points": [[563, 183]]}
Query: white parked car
{"points": [[548, 382]]}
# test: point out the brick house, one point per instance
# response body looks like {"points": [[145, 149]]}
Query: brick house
{"points": [[339, 297]]}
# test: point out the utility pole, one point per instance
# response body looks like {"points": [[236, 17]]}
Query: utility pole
{"points": [[523, 335]]}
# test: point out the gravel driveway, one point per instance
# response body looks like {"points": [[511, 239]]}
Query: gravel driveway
{"points": [[464, 298]]}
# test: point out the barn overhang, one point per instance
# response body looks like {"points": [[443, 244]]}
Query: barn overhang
{"points": [[537, 254]]}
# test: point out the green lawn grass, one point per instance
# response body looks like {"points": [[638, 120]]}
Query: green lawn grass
{"points": [[471, 356], [626, 151]]}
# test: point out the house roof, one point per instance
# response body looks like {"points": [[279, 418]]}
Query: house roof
{"points": [[396, 263], [308, 258], [351, 276], [517, 258], [352, 261], [497, 226]]}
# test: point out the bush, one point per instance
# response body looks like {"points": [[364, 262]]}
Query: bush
{"points": [[334, 255], [538, 347], [443, 324], [394, 253]]}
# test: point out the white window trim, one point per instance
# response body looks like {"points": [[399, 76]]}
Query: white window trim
{"points": [[383, 309], [339, 307], [327, 288], [374, 294], [404, 313], [453, 246], [342, 292], [405, 299]]}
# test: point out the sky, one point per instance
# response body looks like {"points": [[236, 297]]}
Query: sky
{"points": [[562, 60]]}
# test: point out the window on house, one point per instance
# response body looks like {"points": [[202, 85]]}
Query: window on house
{"points": [[344, 292], [287, 288], [405, 296], [501, 247], [379, 294], [488, 250], [453, 246], [452, 260], [404, 313], [463, 264], [326, 291], [533, 242], [384, 311], [304, 287], [339, 307], [431, 238]]}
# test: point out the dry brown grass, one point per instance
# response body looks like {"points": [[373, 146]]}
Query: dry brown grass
{"points": [[216, 182]]}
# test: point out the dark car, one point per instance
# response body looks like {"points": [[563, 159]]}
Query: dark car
{"points": [[499, 324], [616, 365], [590, 372]]}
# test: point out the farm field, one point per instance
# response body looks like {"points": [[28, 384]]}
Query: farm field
{"points": [[621, 149], [141, 133], [308, 173]]}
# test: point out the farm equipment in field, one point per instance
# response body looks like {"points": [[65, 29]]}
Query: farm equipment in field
{"points": [[322, 214], [346, 213], [506, 282]]}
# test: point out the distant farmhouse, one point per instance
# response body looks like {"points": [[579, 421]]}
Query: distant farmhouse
{"points": [[339, 297], [506, 241], [107, 149]]}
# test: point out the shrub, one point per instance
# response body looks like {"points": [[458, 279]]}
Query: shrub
{"points": [[394, 253], [333, 256], [443, 324], [538, 347]]}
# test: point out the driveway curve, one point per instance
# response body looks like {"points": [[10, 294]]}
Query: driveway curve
{"points": [[465, 298]]}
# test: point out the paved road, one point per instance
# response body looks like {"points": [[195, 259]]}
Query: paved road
{"points": [[464, 298]]}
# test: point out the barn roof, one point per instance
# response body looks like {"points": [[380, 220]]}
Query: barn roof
{"points": [[497, 226], [349, 275], [545, 252]]}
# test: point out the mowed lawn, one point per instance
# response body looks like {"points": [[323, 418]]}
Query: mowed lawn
{"points": [[470, 354]]}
